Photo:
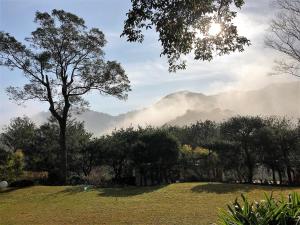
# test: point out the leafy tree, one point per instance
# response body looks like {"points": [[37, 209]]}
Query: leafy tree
{"points": [[78, 140], [87, 153], [13, 167], [118, 147], [284, 36], [242, 130], [19, 135], [63, 61], [47, 147], [46, 153], [184, 27], [270, 155], [230, 160], [154, 155], [201, 161], [203, 133], [287, 139]]}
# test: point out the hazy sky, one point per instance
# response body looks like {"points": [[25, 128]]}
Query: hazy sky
{"points": [[147, 72]]}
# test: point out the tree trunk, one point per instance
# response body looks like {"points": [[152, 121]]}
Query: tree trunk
{"points": [[274, 175], [289, 174], [280, 176], [249, 165], [64, 152]]}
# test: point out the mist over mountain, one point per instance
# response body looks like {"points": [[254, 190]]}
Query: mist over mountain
{"points": [[184, 107]]}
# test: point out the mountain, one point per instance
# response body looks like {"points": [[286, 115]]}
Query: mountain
{"points": [[95, 122], [184, 107]]}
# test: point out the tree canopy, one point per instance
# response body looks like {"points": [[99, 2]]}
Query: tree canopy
{"points": [[184, 27], [62, 61]]}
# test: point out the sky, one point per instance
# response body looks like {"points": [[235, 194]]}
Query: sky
{"points": [[147, 71]]}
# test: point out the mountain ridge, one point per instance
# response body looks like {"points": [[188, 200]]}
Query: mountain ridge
{"points": [[185, 107]]}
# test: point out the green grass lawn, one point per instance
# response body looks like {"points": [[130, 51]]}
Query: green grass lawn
{"points": [[183, 203]]}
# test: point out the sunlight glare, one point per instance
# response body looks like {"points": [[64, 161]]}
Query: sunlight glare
{"points": [[215, 29]]}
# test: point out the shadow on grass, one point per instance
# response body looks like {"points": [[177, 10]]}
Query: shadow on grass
{"points": [[11, 189], [128, 191], [220, 188], [75, 189], [110, 192]]}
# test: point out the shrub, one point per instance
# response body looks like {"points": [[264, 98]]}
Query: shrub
{"points": [[54, 177], [100, 176], [266, 212], [22, 183], [76, 180], [13, 167]]}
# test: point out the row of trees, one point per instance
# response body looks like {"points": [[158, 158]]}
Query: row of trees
{"points": [[63, 60], [241, 149]]}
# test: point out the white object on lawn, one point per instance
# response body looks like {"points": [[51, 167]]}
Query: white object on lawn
{"points": [[3, 184]]}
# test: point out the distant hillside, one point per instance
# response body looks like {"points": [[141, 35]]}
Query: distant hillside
{"points": [[183, 108], [95, 122]]}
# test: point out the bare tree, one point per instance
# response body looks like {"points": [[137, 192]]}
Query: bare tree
{"points": [[284, 36], [62, 62]]}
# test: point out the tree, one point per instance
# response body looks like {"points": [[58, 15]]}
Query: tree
{"points": [[242, 130], [91, 155], [184, 27], [284, 36], [63, 62], [200, 161], [287, 139], [202, 133], [46, 148], [230, 160], [12, 167], [269, 154], [20, 133], [154, 154], [118, 147]]}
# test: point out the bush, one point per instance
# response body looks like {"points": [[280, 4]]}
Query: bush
{"points": [[54, 178], [13, 167], [100, 176], [22, 183], [76, 180], [266, 212]]}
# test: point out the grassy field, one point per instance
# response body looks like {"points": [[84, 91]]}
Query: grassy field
{"points": [[184, 203]]}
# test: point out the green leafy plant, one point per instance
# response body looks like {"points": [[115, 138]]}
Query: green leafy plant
{"points": [[266, 212], [13, 167]]}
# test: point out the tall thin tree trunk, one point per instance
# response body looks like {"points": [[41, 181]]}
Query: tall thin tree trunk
{"points": [[280, 176], [274, 175], [64, 152], [289, 174], [249, 165]]}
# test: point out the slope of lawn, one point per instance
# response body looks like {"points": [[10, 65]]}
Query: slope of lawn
{"points": [[183, 203]]}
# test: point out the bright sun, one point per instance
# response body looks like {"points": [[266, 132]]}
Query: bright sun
{"points": [[215, 29]]}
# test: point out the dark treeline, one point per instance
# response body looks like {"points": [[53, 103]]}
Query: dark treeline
{"points": [[241, 149]]}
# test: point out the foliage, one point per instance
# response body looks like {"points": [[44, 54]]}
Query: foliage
{"points": [[13, 167], [62, 61], [205, 151], [154, 155], [19, 134], [266, 212], [183, 27], [241, 131], [22, 183]]}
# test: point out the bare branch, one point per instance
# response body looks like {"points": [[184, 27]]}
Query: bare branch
{"points": [[284, 36]]}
